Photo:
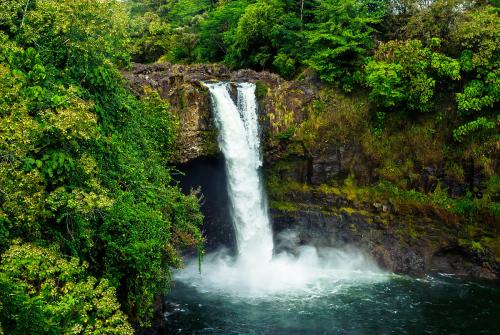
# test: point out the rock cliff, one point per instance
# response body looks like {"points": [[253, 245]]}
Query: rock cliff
{"points": [[315, 140]]}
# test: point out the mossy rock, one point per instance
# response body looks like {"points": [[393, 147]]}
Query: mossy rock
{"points": [[261, 90], [209, 143]]}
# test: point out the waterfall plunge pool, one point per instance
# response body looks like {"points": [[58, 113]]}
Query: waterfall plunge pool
{"points": [[396, 305]]}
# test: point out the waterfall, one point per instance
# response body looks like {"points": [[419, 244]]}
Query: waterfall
{"points": [[256, 272], [239, 141]]}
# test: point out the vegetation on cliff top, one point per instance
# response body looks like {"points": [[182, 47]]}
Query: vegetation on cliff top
{"points": [[409, 54], [418, 80]]}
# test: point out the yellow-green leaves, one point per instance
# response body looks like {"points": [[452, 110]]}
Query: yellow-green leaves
{"points": [[471, 127], [477, 32], [76, 122], [57, 293], [83, 164], [478, 36]]}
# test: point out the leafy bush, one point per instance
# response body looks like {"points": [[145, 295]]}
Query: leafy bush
{"points": [[44, 293], [406, 74], [252, 39], [83, 165], [467, 129]]}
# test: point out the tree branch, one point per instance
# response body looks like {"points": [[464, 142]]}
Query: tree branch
{"points": [[24, 13]]}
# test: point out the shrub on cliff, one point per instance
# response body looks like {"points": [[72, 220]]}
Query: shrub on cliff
{"points": [[406, 74]]}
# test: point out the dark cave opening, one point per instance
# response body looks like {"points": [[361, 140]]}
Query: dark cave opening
{"points": [[209, 174]]}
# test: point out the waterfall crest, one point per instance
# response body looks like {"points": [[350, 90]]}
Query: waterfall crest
{"points": [[239, 141]]}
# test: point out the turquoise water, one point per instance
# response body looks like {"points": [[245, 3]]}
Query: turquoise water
{"points": [[389, 305]]}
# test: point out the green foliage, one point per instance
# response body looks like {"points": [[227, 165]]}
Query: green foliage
{"points": [[217, 29], [272, 34], [434, 19], [265, 36], [83, 166], [148, 220], [151, 36], [385, 82], [261, 90], [181, 12], [82, 36], [467, 129], [379, 123], [478, 39], [287, 134], [252, 40], [477, 95], [407, 73], [477, 35], [340, 37], [44, 293]]}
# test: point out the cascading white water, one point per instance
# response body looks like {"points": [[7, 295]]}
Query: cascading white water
{"points": [[239, 141], [256, 272]]}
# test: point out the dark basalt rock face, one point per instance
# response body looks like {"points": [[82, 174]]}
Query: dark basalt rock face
{"points": [[387, 246], [161, 73]]}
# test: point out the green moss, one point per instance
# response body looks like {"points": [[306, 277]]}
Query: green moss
{"points": [[182, 98], [455, 171], [348, 210], [354, 211], [286, 206], [279, 188], [477, 247], [209, 143], [327, 189], [286, 134], [492, 243], [261, 89]]}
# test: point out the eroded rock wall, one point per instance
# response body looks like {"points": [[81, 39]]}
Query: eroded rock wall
{"points": [[315, 139]]}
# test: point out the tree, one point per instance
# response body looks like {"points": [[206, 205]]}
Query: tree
{"points": [[422, 19], [252, 43], [83, 163], [216, 31], [436, 19], [151, 37], [478, 39], [340, 39]]}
